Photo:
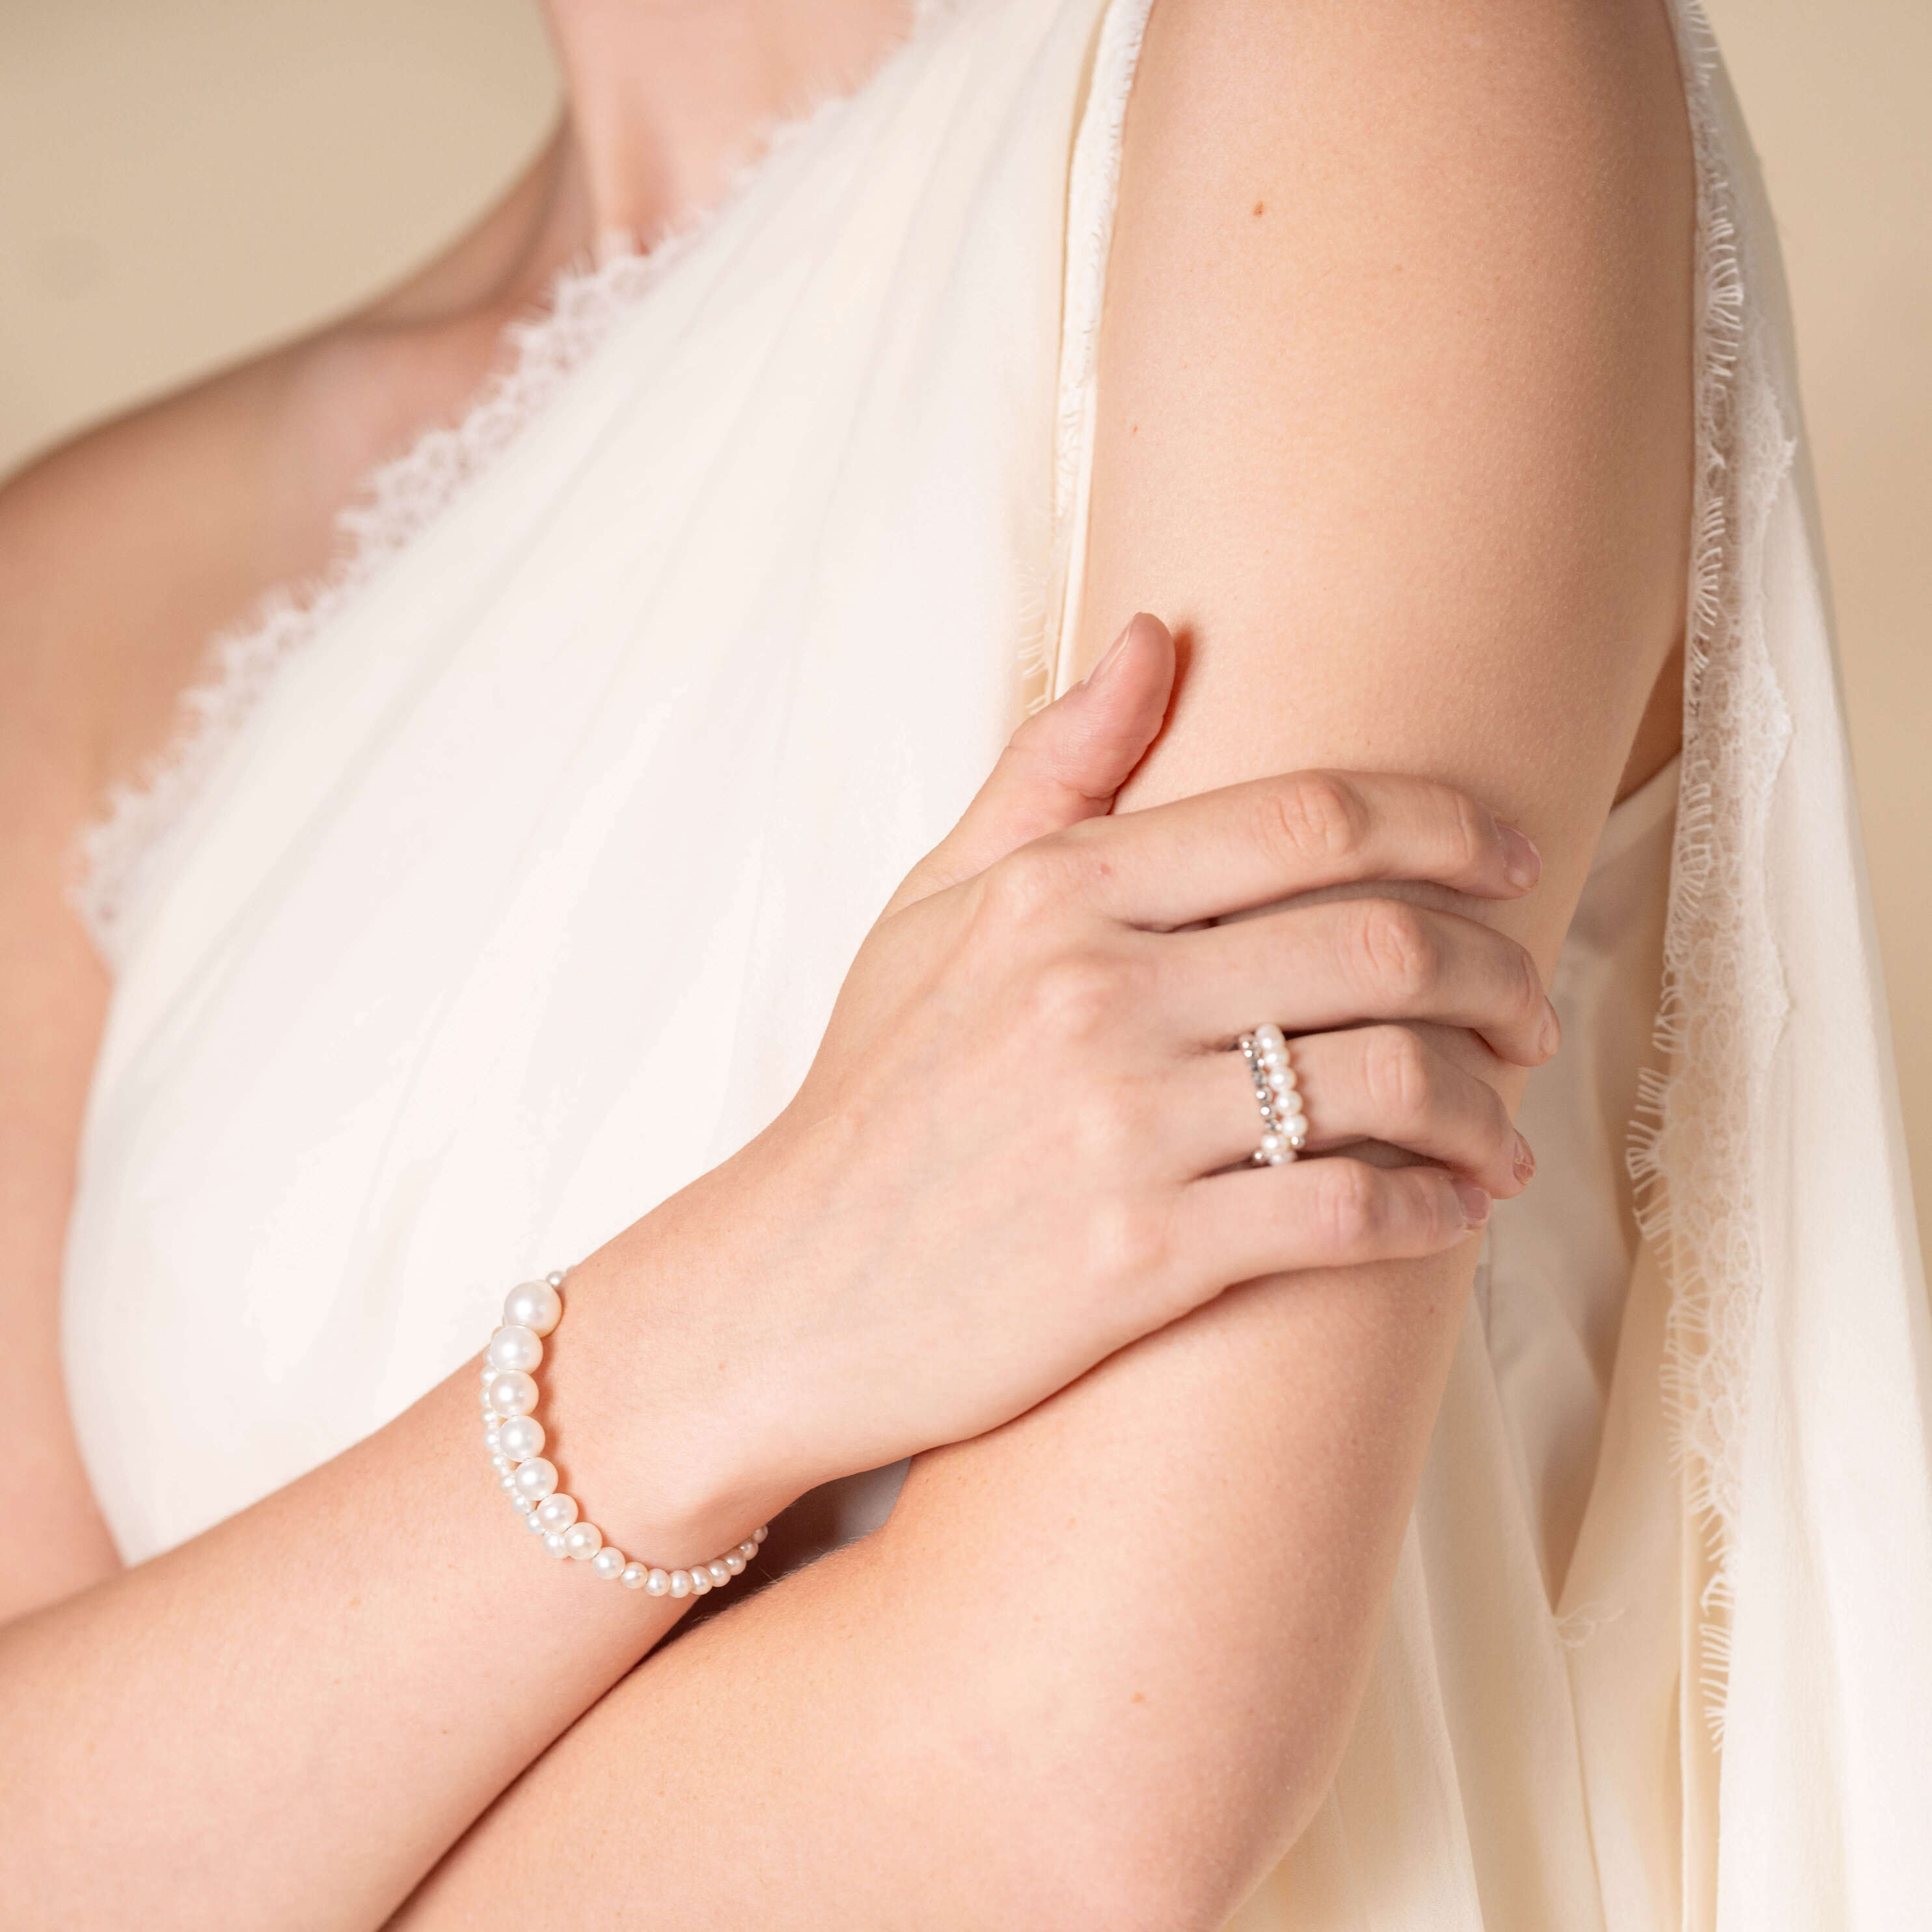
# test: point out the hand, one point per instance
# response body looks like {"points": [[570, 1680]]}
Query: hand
{"points": [[1015, 1151]]}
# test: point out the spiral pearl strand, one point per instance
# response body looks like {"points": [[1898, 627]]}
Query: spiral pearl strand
{"points": [[1284, 1125], [515, 1441]]}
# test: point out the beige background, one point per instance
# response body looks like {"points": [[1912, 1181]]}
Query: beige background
{"points": [[183, 180]]}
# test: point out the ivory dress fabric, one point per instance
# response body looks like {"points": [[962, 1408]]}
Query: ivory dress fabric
{"points": [[507, 884]]}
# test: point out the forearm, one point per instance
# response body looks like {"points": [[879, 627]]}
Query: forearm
{"points": [[286, 1721], [1095, 1670]]}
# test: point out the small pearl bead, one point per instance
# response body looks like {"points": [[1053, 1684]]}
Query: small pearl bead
{"points": [[553, 1543], [489, 1407], [735, 1563], [632, 1575], [582, 1540], [608, 1563], [520, 1438], [501, 1465], [721, 1573], [533, 1520], [763, 1530], [489, 1373], [493, 1438], [1268, 1034], [680, 1582], [700, 1581], [513, 1393], [1273, 1143], [658, 1583], [748, 1549], [524, 1507], [516, 1348], [507, 1482], [557, 1510], [1295, 1123], [536, 1479], [534, 1305]]}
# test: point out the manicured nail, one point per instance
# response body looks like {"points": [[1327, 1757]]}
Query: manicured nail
{"points": [[1111, 659], [1523, 864], [1523, 1160], [1475, 1204]]}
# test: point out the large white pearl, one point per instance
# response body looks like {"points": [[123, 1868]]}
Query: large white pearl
{"points": [[633, 1575], [700, 1580], [515, 1349], [534, 1305], [720, 1572], [658, 1583], [608, 1563], [512, 1393], [582, 1540], [535, 1478], [680, 1582], [734, 1561], [1267, 1034], [520, 1438], [557, 1510]]}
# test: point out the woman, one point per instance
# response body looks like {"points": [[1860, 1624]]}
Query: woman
{"points": [[497, 920]]}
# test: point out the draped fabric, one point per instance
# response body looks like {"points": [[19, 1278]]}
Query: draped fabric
{"points": [[506, 881]]}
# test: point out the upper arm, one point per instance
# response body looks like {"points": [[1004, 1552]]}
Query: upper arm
{"points": [[1395, 399]]}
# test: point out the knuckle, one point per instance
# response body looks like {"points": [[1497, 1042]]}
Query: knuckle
{"points": [[1315, 817], [1397, 1072], [1349, 1205], [1075, 993], [1399, 951], [1129, 1242], [1029, 883]]}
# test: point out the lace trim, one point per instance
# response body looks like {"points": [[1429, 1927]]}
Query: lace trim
{"points": [[1701, 1194], [391, 507]]}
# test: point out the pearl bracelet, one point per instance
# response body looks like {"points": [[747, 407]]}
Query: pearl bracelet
{"points": [[515, 1440]]}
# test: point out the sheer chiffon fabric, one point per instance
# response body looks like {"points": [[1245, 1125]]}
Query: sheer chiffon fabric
{"points": [[509, 883]]}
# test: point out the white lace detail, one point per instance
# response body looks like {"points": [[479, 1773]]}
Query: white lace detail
{"points": [[1700, 1185], [391, 507]]}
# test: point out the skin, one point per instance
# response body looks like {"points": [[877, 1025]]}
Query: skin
{"points": [[1106, 1654]]}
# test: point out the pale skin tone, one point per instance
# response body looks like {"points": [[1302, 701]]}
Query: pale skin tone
{"points": [[1395, 430]]}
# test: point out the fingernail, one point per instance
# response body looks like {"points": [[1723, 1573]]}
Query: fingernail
{"points": [[1522, 862], [1475, 1204], [1112, 657], [1523, 1160], [1552, 1028]]}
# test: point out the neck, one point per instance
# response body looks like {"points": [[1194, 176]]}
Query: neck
{"points": [[667, 99]]}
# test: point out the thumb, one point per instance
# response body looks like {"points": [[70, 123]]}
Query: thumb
{"points": [[1064, 764]]}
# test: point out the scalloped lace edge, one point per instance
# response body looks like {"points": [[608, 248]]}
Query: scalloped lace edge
{"points": [[1700, 1194], [393, 505]]}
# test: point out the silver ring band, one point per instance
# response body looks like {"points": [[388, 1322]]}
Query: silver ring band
{"points": [[1284, 1124]]}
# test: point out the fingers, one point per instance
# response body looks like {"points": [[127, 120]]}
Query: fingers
{"points": [[1249, 844], [1380, 1083], [1064, 764], [1345, 961], [1321, 1213]]}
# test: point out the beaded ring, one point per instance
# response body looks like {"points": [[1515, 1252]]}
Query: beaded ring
{"points": [[515, 1440], [1284, 1125]]}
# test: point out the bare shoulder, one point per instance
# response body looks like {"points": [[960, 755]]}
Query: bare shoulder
{"points": [[123, 552], [1395, 388]]}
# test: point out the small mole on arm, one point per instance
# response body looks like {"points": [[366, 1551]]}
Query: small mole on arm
{"points": [[1260, 208]]}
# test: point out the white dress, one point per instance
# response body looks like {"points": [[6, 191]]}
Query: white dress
{"points": [[507, 886]]}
